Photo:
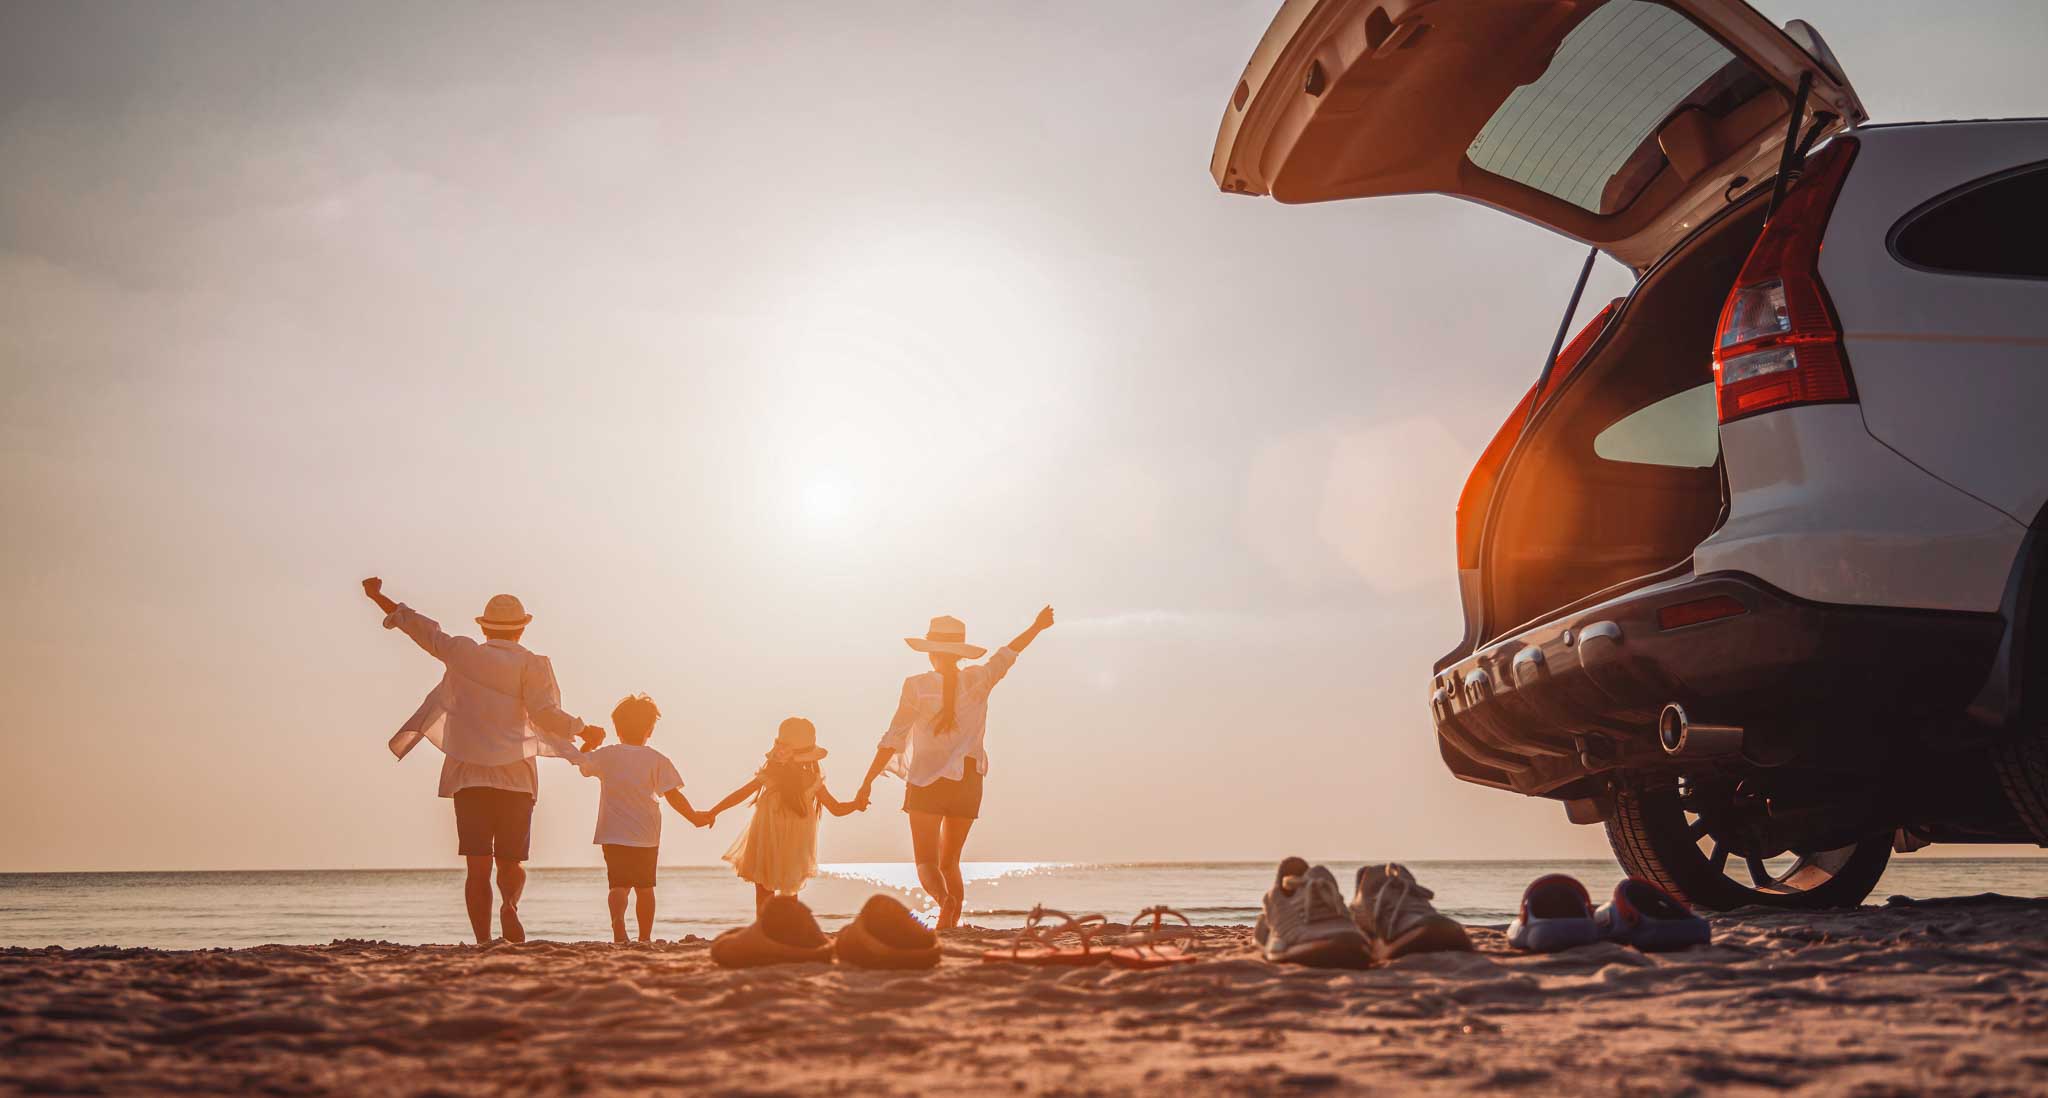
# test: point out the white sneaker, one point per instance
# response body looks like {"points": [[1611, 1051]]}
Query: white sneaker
{"points": [[1394, 912], [1305, 922]]}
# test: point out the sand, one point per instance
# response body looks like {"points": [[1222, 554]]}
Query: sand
{"points": [[1948, 997]]}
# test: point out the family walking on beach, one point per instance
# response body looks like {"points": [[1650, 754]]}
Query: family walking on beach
{"points": [[497, 709]]}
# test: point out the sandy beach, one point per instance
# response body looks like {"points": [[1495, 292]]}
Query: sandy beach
{"points": [[1942, 997]]}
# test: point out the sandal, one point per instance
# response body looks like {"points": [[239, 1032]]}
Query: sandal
{"points": [[1041, 949], [1149, 952]]}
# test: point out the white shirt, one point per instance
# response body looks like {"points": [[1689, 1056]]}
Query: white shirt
{"points": [[633, 774], [496, 708], [519, 777], [924, 756]]}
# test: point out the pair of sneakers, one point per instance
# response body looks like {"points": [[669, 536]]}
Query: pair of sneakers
{"points": [[1305, 919]]}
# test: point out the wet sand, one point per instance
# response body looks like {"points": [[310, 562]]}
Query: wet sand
{"points": [[1944, 997]]}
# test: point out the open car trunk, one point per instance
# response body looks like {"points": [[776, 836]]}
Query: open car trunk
{"points": [[1617, 477], [1619, 123]]}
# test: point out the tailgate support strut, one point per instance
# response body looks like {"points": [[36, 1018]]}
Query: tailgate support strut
{"points": [[1793, 153], [1564, 327]]}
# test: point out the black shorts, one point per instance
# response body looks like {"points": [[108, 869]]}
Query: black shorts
{"points": [[629, 866], [959, 798], [493, 823]]}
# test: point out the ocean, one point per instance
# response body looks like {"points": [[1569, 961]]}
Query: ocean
{"points": [[230, 909]]}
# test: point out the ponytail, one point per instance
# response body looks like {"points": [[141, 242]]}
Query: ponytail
{"points": [[949, 676]]}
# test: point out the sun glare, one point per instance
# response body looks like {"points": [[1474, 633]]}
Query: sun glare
{"points": [[825, 502]]}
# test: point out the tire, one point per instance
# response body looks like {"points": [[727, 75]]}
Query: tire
{"points": [[2023, 771], [1653, 840]]}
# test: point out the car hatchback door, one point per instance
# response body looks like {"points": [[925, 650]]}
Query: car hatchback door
{"points": [[1620, 123]]}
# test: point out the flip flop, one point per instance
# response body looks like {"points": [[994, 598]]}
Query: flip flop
{"points": [[785, 933], [1650, 919], [886, 936], [1042, 951], [1150, 953]]}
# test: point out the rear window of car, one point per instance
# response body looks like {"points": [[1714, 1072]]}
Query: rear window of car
{"points": [[1992, 227], [1585, 131]]}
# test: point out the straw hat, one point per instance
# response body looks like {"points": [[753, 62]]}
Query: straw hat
{"points": [[947, 635], [796, 740], [504, 612]]}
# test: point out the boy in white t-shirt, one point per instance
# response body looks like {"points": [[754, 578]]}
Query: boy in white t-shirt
{"points": [[628, 819]]}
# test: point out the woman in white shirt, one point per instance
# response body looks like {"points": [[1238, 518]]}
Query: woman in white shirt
{"points": [[935, 743]]}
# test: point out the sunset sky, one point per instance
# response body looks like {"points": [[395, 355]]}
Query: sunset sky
{"points": [[738, 340]]}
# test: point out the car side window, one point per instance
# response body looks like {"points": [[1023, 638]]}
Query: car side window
{"points": [[1990, 227], [1682, 431]]}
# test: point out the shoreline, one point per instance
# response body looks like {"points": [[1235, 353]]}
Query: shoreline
{"points": [[1945, 996], [2025, 854]]}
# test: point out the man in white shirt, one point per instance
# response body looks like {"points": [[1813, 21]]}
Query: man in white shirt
{"points": [[496, 708]]}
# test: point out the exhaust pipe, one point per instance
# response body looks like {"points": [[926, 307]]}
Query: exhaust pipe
{"points": [[1682, 738]]}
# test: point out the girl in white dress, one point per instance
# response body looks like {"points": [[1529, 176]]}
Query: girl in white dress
{"points": [[778, 851]]}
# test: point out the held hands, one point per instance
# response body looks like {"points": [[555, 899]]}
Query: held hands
{"points": [[862, 799], [592, 735], [703, 819]]}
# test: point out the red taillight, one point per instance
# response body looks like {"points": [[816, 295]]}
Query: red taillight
{"points": [[1479, 485], [1679, 615], [1779, 342]]}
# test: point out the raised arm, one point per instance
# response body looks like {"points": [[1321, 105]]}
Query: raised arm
{"points": [[423, 630], [1038, 625], [735, 797], [374, 588]]}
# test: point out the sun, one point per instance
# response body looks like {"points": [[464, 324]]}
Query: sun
{"points": [[825, 502]]}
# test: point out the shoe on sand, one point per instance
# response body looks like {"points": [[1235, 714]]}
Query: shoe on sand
{"points": [[784, 933], [1395, 913], [1650, 919], [1305, 922], [886, 935], [1556, 914]]}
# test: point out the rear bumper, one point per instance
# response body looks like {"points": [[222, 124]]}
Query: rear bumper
{"points": [[1544, 710]]}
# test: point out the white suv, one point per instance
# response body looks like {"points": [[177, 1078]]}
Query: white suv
{"points": [[1750, 574]]}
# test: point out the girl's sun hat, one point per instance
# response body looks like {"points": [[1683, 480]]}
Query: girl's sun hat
{"points": [[947, 635], [796, 740]]}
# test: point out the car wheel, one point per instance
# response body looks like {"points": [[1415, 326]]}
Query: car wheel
{"points": [[2023, 770], [1665, 834]]}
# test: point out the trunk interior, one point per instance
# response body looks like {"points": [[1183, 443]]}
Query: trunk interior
{"points": [[1620, 475]]}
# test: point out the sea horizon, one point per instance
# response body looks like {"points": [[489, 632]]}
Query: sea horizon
{"points": [[199, 909]]}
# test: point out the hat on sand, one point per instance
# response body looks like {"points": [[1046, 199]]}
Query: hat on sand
{"points": [[504, 612], [796, 740], [947, 635]]}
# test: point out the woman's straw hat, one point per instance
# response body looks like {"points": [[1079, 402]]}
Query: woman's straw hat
{"points": [[796, 740], [504, 612], [947, 635]]}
